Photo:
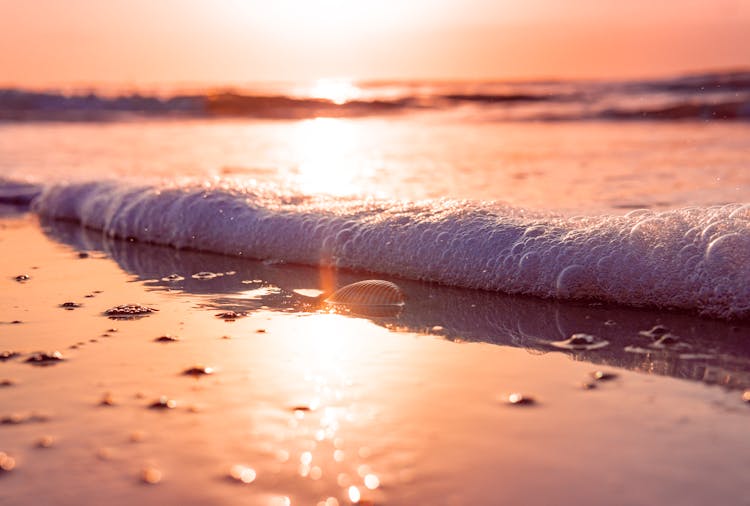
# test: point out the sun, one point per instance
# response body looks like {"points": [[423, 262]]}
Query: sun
{"points": [[338, 91]]}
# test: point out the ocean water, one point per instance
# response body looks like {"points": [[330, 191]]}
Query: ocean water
{"points": [[625, 192]]}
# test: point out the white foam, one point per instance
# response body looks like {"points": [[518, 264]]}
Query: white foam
{"points": [[695, 258]]}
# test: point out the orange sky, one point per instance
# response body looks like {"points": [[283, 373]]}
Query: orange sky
{"points": [[173, 42]]}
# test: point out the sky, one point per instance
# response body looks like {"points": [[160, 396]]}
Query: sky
{"points": [[47, 43]]}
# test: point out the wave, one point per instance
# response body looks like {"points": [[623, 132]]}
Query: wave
{"points": [[692, 259], [716, 96]]}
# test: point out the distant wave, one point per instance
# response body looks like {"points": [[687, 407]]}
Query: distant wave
{"points": [[692, 259], [714, 96]]}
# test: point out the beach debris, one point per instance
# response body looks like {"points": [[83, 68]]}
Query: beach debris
{"points": [[242, 473], [7, 355], [603, 376], [230, 316], [70, 305], [107, 400], [581, 341], [198, 370], [167, 338], [7, 463], [654, 332], [22, 278], [373, 297], [18, 418], [128, 311], [45, 442], [163, 402], [151, 475], [610, 323], [746, 396], [172, 278], [519, 399], [43, 359], [260, 331]]}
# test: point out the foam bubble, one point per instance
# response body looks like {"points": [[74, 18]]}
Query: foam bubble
{"points": [[693, 259]]}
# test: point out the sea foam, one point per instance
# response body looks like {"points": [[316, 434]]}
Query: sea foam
{"points": [[694, 259]]}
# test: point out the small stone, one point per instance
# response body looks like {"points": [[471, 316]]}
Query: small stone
{"points": [[7, 463], [70, 305], [230, 316], [166, 338], [43, 359], [7, 383], [7, 355], [198, 370], [150, 475], [260, 331], [107, 400], [519, 399], [83, 254], [45, 442], [22, 278], [746, 396], [163, 402]]}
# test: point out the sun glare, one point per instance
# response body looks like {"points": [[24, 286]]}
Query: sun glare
{"points": [[338, 91], [325, 148]]}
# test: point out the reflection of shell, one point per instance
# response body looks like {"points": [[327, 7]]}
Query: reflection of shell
{"points": [[372, 296]]}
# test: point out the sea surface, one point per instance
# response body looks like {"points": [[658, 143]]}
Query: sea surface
{"points": [[571, 258], [625, 192]]}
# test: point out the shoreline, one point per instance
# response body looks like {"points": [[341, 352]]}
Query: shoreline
{"points": [[314, 402]]}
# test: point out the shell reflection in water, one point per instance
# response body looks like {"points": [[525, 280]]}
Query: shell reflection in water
{"points": [[372, 297]]}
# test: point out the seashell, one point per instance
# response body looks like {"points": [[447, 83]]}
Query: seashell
{"points": [[374, 297]]}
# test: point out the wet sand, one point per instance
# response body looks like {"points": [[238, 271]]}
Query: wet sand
{"points": [[295, 404]]}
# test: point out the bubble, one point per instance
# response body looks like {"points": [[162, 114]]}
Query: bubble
{"points": [[729, 253], [573, 281]]}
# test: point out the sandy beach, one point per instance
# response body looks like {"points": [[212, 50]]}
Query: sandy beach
{"points": [[305, 406]]}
